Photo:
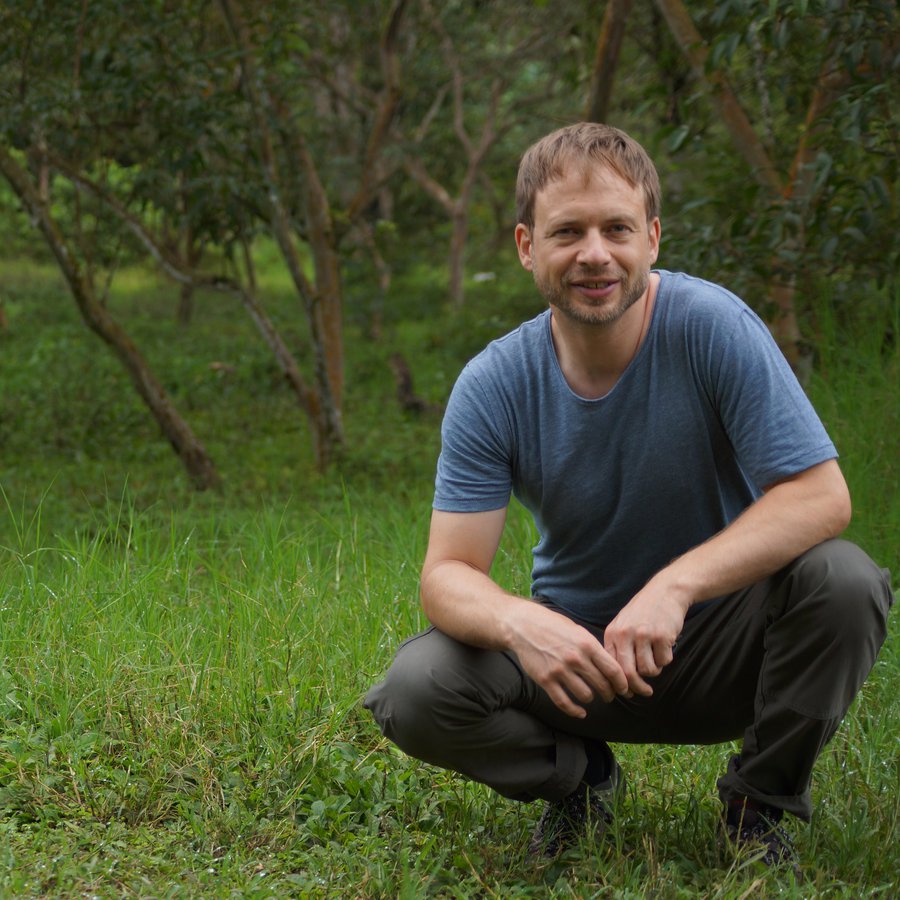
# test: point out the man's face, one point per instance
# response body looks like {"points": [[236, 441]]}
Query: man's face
{"points": [[591, 247]]}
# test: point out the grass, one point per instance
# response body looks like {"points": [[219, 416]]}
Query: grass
{"points": [[181, 675]]}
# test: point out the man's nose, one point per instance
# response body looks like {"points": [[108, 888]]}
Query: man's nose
{"points": [[593, 250]]}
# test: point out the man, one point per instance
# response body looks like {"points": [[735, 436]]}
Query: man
{"points": [[688, 586]]}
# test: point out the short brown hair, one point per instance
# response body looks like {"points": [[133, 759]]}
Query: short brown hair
{"points": [[587, 144]]}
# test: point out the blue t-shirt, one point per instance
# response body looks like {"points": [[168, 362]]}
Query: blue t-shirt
{"points": [[706, 415]]}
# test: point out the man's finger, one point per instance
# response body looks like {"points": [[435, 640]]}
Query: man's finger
{"points": [[663, 653], [565, 702], [580, 689], [639, 686], [624, 655], [645, 661], [610, 679]]}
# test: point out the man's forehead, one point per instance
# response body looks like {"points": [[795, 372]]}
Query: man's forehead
{"points": [[583, 173], [577, 178]]}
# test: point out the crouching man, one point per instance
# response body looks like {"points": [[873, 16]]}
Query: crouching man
{"points": [[689, 585]]}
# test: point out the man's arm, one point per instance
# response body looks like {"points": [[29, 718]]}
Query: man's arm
{"points": [[792, 516], [461, 599]]}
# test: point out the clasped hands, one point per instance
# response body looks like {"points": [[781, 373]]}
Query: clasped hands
{"points": [[573, 667]]}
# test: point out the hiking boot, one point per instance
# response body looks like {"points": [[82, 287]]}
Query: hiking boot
{"points": [[754, 827], [588, 809]]}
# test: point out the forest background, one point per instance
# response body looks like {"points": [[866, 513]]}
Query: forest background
{"points": [[267, 237]]}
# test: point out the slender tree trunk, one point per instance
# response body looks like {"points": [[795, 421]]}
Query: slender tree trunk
{"points": [[192, 253], [457, 259], [383, 270], [193, 455], [329, 292], [744, 135], [606, 60], [185, 311], [327, 424], [797, 187]]}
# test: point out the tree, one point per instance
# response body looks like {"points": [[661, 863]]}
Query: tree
{"points": [[278, 125], [189, 114], [489, 69], [606, 59], [36, 84], [196, 460], [845, 47]]}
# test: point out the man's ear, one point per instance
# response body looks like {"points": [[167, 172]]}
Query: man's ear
{"points": [[655, 230], [524, 246]]}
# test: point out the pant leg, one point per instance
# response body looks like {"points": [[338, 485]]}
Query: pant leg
{"points": [[825, 621], [476, 712], [779, 662], [467, 709]]}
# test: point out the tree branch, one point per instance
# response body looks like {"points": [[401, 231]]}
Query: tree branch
{"points": [[739, 126], [390, 97], [606, 60], [179, 271], [417, 171]]}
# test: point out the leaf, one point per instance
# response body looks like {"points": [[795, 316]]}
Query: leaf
{"points": [[878, 187], [876, 54], [677, 138], [855, 233]]}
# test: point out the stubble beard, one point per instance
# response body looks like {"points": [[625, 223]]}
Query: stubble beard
{"points": [[559, 296]]}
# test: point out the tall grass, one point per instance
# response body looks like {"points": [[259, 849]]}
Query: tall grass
{"points": [[180, 684], [181, 718]]}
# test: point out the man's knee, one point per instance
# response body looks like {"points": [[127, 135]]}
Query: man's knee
{"points": [[845, 591], [403, 703], [828, 624], [435, 687]]}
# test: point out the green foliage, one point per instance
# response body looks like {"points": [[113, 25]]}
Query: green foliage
{"points": [[779, 59]]}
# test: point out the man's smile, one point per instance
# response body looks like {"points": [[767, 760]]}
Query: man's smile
{"points": [[594, 288]]}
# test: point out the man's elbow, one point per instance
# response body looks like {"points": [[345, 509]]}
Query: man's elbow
{"points": [[839, 507], [423, 592], [428, 589]]}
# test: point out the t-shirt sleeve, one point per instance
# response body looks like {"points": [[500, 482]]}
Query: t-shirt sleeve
{"points": [[474, 470], [767, 416]]}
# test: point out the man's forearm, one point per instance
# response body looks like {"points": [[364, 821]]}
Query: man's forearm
{"points": [[468, 605], [789, 519], [565, 659]]}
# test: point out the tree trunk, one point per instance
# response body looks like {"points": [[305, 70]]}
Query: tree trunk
{"points": [[185, 311], [606, 60], [192, 254], [193, 455], [329, 293], [743, 134], [324, 329], [798, 185], [457, 258]]}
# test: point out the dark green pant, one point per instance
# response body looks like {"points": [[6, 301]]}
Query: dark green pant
{"points": [[778, 664]]}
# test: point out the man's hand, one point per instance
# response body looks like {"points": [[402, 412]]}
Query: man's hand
{"points": [[566, 660], [641, 638]]}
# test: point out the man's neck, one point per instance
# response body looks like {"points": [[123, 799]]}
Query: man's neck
{"points": [[593, 358]]}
